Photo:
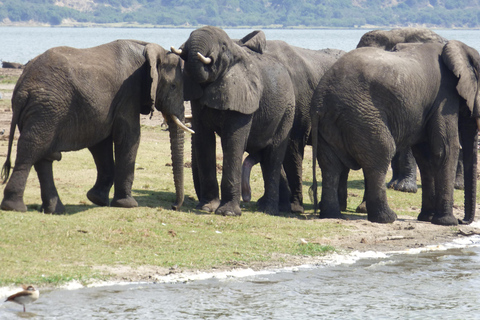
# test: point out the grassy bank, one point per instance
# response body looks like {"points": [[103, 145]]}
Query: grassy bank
{"points": [[51, 249]]}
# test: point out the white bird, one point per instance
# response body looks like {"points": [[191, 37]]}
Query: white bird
{"points": [[28, 295]]}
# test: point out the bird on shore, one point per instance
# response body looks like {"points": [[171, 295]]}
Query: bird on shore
{"points": [[28, 295]]}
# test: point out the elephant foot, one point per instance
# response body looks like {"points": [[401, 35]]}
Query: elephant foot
{"points": [[229, 210], [459, 185], [446, 220], [387, 216], [272, 208], [12, 205], [330, 214], [362, 208], [297, 208], [403, 185], [426, 216], [208, 206], [98, 197], [54, 206], [127, 202]]}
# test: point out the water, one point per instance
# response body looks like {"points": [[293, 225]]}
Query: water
{"points": [[23, 44], [438, 284], [428, 285]]}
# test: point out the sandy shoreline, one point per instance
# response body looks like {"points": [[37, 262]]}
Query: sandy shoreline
{"points": [[466, 236], [404, 235]]}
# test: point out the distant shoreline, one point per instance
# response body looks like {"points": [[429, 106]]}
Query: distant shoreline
{"points": [[136, 25]]}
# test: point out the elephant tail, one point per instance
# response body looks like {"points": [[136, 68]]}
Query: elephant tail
{"points": [[7, 166]]}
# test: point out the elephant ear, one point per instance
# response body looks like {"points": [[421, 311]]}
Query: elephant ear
{"points": [[153, 54], [238, 90], [464, 62], [255, 41]]}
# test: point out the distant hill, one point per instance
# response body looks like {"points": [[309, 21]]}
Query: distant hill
{"points": [[236, 13]]}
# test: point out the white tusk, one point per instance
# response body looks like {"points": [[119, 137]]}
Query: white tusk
{"points": [[205, 60], [176, 51], [181, 125]]}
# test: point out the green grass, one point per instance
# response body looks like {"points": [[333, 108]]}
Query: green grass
{"points": [[8, 79], [48, 249]]}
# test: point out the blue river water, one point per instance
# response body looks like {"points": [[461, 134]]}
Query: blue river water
{"points": [[435, 284]]}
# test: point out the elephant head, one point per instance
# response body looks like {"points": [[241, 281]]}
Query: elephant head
{"points": [[218, 70], [388, 39], [166, 94]]}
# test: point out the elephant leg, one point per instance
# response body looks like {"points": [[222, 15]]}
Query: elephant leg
{"points": [[284, 204], [103, 156], [126, 138], [423, 158], [444, 188], [14, 190], [444, 148], [332, 169], [204, 168], [378, 209], [293, 169], [404, 170], [284, 201], [444, 191], [28, 152], [270, 201], [342, 189], [362, 207], [235, 133], [51, 202]]}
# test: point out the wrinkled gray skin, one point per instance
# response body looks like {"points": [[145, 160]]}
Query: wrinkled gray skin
{"points": [[69, 99], [404, 167], [246, 97], [305, 68], [422, 96]]}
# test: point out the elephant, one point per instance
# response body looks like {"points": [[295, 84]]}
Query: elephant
{"points": [[372, 103], [388, 39], [305, 68], [404, 167], [245, 95], [68, 99]]}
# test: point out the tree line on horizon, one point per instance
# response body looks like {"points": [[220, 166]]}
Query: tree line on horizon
{"points": [[236, 13]]}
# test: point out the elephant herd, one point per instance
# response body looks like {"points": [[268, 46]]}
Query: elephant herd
{"points": [[404, 97]]}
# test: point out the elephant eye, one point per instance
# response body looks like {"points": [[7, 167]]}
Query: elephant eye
{"points": [[173, 86]]}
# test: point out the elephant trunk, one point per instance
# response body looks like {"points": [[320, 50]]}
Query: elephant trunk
{"points": [[197, 64], [469, 138], [177, 141]]}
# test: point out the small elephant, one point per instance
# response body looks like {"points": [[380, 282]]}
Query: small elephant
{"points": [[373, 102], [245, 95], [67, 99], [305, 68]]}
